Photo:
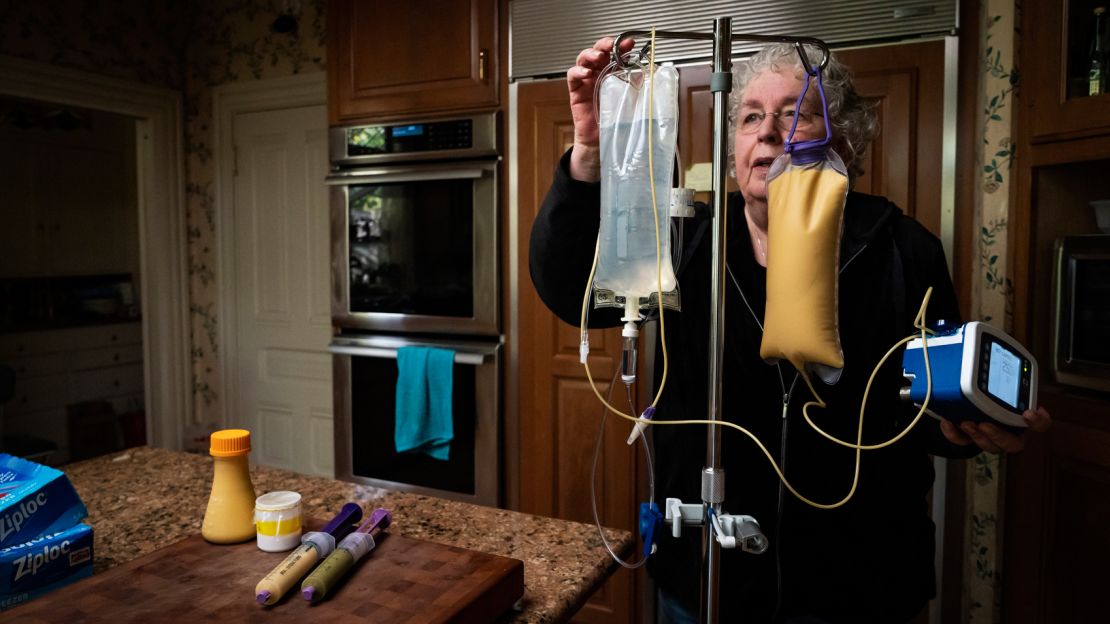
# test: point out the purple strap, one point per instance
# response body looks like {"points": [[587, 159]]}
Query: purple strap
{"points": [[805, 152]]}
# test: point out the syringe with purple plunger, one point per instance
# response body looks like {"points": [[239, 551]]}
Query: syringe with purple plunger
{"points": [[315, 546], [349, 550]]}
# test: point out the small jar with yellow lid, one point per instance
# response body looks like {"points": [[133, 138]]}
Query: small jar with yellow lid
{"points": [[230, 515]]}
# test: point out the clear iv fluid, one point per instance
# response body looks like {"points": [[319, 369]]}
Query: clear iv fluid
{"points": [[627, 264]]}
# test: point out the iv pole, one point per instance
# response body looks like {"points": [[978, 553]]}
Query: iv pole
{"points": [[713, 476]]}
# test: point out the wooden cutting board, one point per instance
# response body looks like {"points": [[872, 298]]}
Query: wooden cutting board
{"points": [[401, 580]]}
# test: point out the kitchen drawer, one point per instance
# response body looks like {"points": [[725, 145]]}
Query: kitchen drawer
{"points": [[55, 340], [39, 365], [104, 383], [101, 358], [36, 393], [110, 336]]}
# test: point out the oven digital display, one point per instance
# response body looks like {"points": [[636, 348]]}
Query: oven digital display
{"points": [[408, 131]]}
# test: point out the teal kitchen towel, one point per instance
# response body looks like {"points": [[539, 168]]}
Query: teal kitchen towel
{"points": [[425, 378]]}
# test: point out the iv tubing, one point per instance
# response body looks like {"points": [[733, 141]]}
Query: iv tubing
{"points": [[593, 478], [919, 323], [584, 347], [655, 213]]}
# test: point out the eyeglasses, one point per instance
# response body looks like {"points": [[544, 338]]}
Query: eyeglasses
{"points": [[750, 123]]}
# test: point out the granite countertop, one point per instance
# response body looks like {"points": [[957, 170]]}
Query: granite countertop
{"points": [[147, 498]]}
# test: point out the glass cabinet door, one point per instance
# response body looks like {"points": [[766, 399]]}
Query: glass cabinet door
{"points": [[1066, 78]]}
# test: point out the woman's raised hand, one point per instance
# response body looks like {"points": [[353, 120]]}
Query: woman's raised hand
{"points": [[585, 160]]}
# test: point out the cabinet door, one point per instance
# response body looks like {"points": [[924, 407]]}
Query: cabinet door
{"points": [[396, 57], [1059, 31], [88, 228], [68, 205], [905, 83], [22, 227], [559, 414]]}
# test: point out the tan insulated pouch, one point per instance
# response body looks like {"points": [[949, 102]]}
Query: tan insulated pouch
{"points": [[805, 218]]}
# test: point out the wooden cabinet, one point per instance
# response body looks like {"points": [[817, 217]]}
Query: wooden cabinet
{"points": [[56, 369], [69, 198], [1055, 543], [1054, 53], [398, 58]]}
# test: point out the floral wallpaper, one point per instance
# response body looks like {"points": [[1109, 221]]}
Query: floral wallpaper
{"points": [[992, 293], [233, 40], [190, 47], [140, 40]]}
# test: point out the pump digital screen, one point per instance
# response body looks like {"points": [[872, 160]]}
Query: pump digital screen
{"points": [[407, 131], [1004, 376]]}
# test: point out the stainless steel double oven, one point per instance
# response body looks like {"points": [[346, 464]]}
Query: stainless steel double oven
{"points": [[415, 262]]}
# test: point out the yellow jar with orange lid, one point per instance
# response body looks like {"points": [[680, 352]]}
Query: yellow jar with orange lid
{"points": [[230, 515]]}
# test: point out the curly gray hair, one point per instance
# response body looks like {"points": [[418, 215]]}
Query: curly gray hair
{"points": [[852, 118]]}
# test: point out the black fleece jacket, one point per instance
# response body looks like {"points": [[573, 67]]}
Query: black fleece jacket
{"points": [[870, 560]]}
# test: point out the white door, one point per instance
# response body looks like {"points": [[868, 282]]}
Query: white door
{"points": [[281, 261]]}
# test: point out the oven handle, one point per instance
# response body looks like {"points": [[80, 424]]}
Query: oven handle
{"points": [[473, 359], [377, 176]]}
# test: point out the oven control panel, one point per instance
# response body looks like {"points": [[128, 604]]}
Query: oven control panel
{"points": [[417, 137], [417, 140]]}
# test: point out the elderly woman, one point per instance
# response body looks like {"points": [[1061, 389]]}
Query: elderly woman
{"points": [[870, 560]]}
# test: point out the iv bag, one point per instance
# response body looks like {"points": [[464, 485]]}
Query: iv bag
{"points": [[806, 192], [627, 261]]}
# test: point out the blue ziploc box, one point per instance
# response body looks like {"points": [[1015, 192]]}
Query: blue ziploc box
{"points": [[35, 500], [44, 564]]}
